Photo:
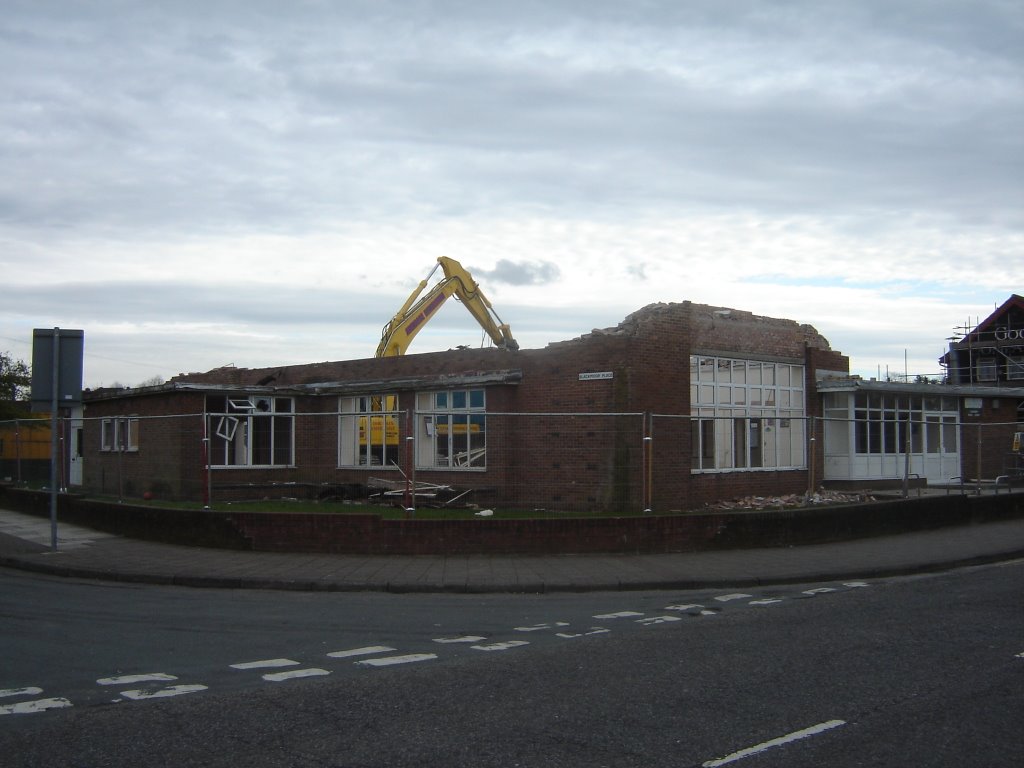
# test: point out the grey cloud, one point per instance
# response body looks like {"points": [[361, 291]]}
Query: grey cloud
{"points": [[521, 272], [167, 119]]}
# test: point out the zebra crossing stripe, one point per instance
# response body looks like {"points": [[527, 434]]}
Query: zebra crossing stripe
{"points": [[387, 661]]}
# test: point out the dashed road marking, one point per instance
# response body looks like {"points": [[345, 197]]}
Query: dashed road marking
{"points": [[766, 601], [651, 620], [592, 631], [687, 608], [12, 692], [462, 639], [292, 674], [855, 584], [758, 748], [733, 596], [537, 627], [162, 693], [368, 650], [155, 677], [265, 664], [501, 646], [618, 615], [31, 707], [819, 591], [387, 661]]}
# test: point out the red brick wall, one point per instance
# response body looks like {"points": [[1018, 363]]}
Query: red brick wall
{"points": [[986, 439], [584, 462]]}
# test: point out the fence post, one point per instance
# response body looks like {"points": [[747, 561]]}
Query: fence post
{"points": [[906, 459], [55, 394], [410, 467], [647, 466], [978, 491], [17, 448], [205, 479], [811, 464]]}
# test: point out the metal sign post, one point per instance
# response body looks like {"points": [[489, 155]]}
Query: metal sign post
{"points": [[56, 383]]}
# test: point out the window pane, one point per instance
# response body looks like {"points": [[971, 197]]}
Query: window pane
{"points": [[753, 373], [282, 440]]}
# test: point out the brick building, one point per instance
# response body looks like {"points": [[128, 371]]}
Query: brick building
{"points": [[960, 430], [678, 405]]}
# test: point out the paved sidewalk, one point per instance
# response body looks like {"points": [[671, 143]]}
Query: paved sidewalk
{"points": [[84, 553]]}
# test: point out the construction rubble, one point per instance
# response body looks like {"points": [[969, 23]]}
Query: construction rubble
{"points": [[790, 500]]}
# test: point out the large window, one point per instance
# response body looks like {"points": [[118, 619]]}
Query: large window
{"points": [[890, 423], [368, 433], [451, 429], [746, 414], [251, 431]]}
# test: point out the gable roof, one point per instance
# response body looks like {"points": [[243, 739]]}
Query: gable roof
{"points": [[1014, 304]]}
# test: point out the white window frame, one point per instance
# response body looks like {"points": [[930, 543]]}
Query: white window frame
{"points": [[451, 429], [369, 431], [119, 434], [244, 419], [752, 412], [987, 369]]}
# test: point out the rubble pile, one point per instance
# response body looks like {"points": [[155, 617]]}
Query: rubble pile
{"points": [[790, 500]]}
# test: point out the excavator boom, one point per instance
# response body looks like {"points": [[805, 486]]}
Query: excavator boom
{"points": [[420, 307]]}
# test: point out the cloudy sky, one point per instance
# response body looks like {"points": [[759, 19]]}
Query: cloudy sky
{"points": [[262, 183]]}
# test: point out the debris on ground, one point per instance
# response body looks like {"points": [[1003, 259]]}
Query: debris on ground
{"points": [[791, 500]]}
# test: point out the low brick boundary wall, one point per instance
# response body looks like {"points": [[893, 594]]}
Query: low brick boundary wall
{"points": [[353, 533]]}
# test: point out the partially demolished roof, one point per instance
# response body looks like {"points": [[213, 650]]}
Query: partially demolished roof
{"points": [[712, 327], [708, 328]]}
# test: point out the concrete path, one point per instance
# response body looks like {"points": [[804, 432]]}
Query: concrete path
{"points": [[84, 553]]}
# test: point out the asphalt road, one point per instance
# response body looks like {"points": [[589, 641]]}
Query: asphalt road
{"points": [[917, 671]]}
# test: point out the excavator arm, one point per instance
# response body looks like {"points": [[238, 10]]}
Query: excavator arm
{"points": [[420, 307]]}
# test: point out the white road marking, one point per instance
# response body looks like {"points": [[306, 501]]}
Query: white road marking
{"points": [[387, 661], [757, 749], [30, 707], [368, 650], [155, 677], [650, 620], [537, 627], [734, 596], [855, 584], [819, 591], [265, 664], [594, 631], [687, 607], [463, 639], [162, 693], [766, 601], [1020, 656], [619, 615], [10, 692], [501, 646], [292, 674]]}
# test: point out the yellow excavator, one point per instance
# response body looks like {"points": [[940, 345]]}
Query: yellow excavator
{"points": [[419, 308]]}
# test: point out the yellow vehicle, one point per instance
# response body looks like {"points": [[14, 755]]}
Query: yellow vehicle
{"points": [[410, 319], [419, 308]]}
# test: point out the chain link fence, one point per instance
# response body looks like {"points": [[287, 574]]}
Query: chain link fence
{"points": [[624, 463]]}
